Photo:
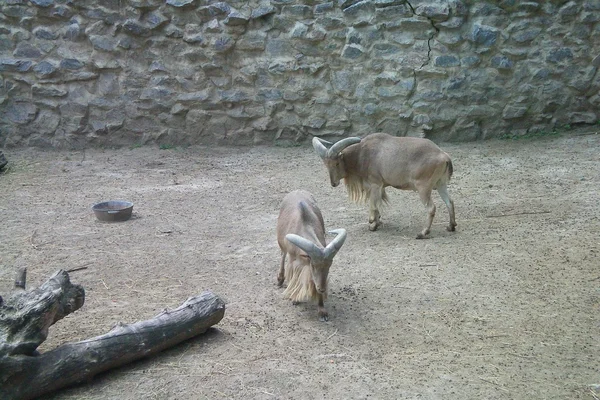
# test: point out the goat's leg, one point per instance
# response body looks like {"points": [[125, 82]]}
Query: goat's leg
{"points": [[375, 199], [425, 195], [281, 275], [323, 314], [443, 191]]}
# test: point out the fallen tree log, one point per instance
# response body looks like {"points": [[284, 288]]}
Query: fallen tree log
{"points": [[25, 376]]}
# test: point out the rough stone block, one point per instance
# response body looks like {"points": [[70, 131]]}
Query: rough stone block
{"points": [[501, 62], [484, 35], [353, 51], [42, 32], [433, 11], [513, 111], [181, 3], [20, 113], [447, 61], [14, 65], [48, 91], [561, 54], [254, 40], [26, 50]]}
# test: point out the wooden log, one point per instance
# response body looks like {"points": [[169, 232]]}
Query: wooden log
{"points": [[26, 377], [26, 316]]}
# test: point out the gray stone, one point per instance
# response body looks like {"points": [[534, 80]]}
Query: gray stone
{"points": [[103, 42], [447, 61], [323, 8], [48, 91], [254, 40], [527, 35], [135, 28], [270, 94], [193, 34], [557, 55], [298, 11], [236, 18], [42, 3], [223, 44], [262, 12], [27, 50], [156, 20], [434, 11], [21, 113], [44, 69], [233, 96], [61, 12], [181, 3], [156, 93], [513, 112], [71, 64], [45, 33], [452, 23], [583, 118], [485, 35], [13, 65], [299, 30], [173, 32], [73, 33], [589, 17], [353, 51], [194, 98], [315, 122], [501, 62]]}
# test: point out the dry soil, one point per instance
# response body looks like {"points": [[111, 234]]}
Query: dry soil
{"points": [[506, 307]]}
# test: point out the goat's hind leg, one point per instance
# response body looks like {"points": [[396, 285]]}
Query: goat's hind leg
{"points": [[443, 191], [375, 199], [281, 274], [425, 195]]}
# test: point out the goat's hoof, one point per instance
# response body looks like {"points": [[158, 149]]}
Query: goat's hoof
{"points": [[280, 282], [451, 228], [323, 317], [295, 303], [421, 236], [373, 226]]}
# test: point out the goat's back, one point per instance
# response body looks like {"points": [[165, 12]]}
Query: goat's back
{"points": [[398, 160], [300, 215]]}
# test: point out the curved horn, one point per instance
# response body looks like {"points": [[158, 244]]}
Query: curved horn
{"points": [[320, 147], [336, 244], [341, 145], [309, 247]]}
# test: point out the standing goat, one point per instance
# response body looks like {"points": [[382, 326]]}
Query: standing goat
{"points": [[301, 236], [379, 160]]}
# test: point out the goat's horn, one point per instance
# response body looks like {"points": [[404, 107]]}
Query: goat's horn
{"points": [[336, 244], [319, 145], [309, 247], [341, 145]]}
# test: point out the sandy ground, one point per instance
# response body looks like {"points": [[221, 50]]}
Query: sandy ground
{"points": [[506, 307]]}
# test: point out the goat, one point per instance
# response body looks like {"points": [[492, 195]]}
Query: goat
{"points": [[301, 236], [379, 160]]}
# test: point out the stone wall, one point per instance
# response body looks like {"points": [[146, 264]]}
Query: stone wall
{"points": [[109, 72]]}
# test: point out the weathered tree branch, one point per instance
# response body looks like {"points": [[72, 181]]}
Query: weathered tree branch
{"points": [[26, 315], [24, 375]]}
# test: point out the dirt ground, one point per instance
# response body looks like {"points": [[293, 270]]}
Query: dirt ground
{"points": [[506, 307]]}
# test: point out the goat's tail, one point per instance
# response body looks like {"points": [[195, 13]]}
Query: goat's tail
{"points": [[449, 169]]}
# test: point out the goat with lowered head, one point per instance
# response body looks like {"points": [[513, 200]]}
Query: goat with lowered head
{"points": [[301, 237], [379, 160]]}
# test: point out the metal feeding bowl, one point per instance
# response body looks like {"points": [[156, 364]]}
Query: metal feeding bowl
{"points": [[113, 211]]}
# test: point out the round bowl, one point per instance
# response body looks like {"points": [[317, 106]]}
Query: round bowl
{"points": [[113, 211]]}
